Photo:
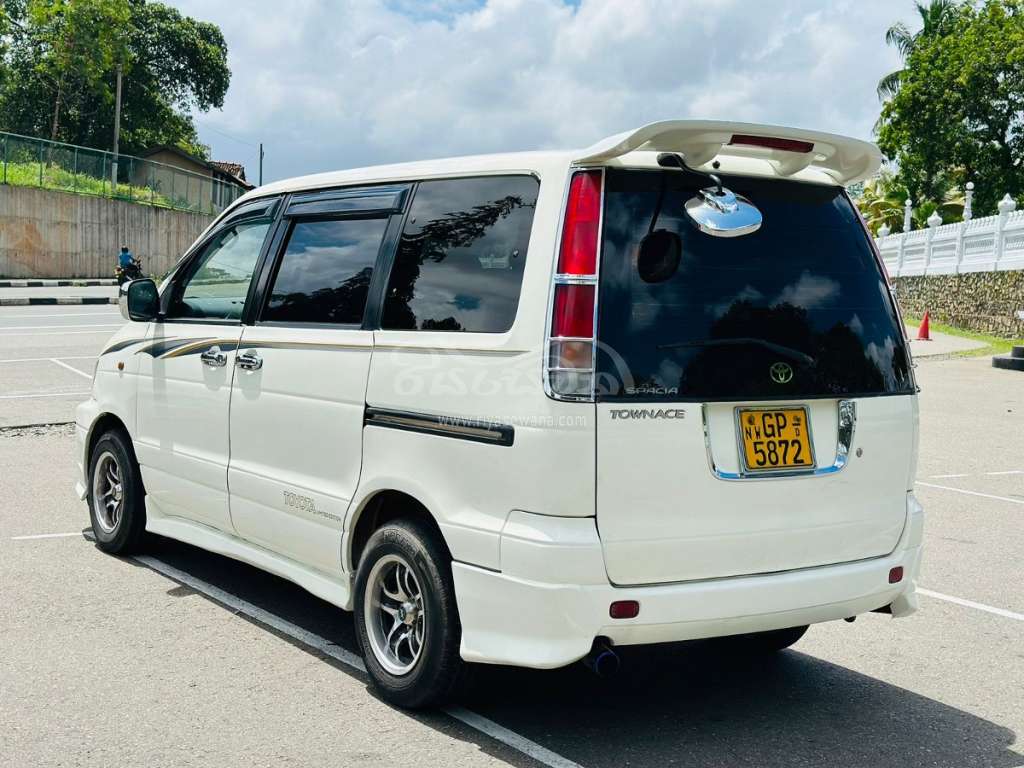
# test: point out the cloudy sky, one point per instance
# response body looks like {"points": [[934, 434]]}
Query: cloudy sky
{"points": [[329, 84]]}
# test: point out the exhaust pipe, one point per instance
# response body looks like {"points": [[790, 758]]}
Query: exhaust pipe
{"points": [[602, 660]]}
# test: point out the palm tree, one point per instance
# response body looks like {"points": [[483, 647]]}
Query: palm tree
{"points": [[882, 203], [935, 16]]}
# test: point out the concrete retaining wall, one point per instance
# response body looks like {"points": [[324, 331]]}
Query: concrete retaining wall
{"points": [[988, 302], [51, 234]]}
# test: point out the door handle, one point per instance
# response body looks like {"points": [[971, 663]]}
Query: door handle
{"points": [[249, 360], [214, 358]]}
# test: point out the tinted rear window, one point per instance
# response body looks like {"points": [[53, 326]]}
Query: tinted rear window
{"points": [[324, 274], [460, 263], [805, 291]]}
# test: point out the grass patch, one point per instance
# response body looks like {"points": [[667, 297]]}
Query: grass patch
{"points": [[995, 345], [55, 177]]}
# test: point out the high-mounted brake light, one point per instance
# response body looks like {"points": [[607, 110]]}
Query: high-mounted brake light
{"points": [[772, 142], [570, 362]]}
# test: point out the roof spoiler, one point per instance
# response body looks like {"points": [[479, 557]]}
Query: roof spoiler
{"points": [[786, 150]]}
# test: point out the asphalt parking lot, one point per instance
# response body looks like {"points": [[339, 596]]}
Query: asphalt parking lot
{"points": [[47, 355], [181, 657]]}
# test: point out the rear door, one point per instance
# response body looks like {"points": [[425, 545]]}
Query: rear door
{"points": [[755, 402], [300, 381]]}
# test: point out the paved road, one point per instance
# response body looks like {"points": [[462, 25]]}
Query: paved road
{"points": [[188, 658], [47, 356]]}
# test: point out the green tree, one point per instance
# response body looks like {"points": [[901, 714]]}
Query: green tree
{"points": [[78, 43], [935, 18], [58, 72], [957, 113]]}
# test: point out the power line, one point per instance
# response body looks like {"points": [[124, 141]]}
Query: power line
{"points": [[226, 135]]}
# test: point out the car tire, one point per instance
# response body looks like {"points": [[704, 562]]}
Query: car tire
{"points": [[406, 618], [768, 642], [117, 506]]}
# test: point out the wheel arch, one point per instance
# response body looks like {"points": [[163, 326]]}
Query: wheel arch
{"points": [[102, 424], [379, 508]]}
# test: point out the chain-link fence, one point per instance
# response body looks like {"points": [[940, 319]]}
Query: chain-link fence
{"points": [[40, 163]]}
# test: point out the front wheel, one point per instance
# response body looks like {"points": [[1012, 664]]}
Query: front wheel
{"points": [[116, 498], [407, 622]]}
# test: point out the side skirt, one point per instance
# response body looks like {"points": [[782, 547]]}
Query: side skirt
{"points": [[334, 591]]}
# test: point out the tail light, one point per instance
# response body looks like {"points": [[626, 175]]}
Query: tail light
{"points": [[572, 335]]}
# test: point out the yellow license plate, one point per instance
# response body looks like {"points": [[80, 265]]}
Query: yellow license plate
{"points": [[775, 438]]}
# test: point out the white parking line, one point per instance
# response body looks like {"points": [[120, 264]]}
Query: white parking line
{"points": [[972, 493], [33, 316], [57, 327], [511, 738], [103, 329], [47, 536], [971, 604], [44, 394], [335, 651], [47, 359], [986, 474], [70, 368]]}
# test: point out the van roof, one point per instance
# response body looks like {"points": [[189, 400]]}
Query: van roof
{"points": [[742, 148]]}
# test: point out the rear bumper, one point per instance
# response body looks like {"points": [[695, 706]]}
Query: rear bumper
{"points": [[508, 618]]}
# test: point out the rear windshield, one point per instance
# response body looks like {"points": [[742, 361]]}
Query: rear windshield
{"points": [[798, 309]]}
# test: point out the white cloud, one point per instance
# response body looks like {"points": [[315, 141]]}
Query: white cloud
{"points": [[334, 84], [809, 291]]}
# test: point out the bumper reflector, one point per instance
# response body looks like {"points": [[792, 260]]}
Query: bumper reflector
{"points": [[624, 609], [896, 574]]}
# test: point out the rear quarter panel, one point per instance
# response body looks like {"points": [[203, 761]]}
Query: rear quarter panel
{"points": [[470, 487]]}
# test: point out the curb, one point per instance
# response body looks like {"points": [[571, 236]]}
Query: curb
{"points": [[51, 300], [55, 283]]}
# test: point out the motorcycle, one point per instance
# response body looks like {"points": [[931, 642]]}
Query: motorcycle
{"points": [[131, 272]]}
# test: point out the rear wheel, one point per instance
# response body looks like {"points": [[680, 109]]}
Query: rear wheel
{"points": [[116, 498], [406, 618], [767, 642]]}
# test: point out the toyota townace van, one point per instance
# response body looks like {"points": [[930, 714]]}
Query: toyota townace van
{"points": [[524, 409]]}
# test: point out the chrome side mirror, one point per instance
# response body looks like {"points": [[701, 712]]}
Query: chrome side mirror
{"points": [[720, 212], [139, 300]]}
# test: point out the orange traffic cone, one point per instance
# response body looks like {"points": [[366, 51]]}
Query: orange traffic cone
{"points": [[922, 332]]}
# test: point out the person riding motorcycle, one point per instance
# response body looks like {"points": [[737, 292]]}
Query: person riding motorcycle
{"points": [[128, 267]]}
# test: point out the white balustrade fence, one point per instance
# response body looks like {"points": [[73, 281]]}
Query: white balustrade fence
{"points": [[976, 245]]}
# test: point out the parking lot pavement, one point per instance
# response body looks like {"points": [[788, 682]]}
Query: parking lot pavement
{"points": [[187, 658], [47, 356]]}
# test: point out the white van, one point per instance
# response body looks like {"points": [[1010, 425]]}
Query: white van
{"points": [[525, 408]]}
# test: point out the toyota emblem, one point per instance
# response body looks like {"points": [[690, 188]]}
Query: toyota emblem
{"points": [[781, 373]]}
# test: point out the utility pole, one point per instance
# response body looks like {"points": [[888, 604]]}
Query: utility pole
{"points": [[261, 164], [117, 133]]}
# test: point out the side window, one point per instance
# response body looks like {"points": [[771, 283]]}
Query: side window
{"points": [[325, 272], [459, 265], [215, 284]]}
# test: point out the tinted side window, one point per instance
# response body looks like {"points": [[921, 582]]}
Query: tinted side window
{"points": [[325, 272], [215, 284], [460, 263]]}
